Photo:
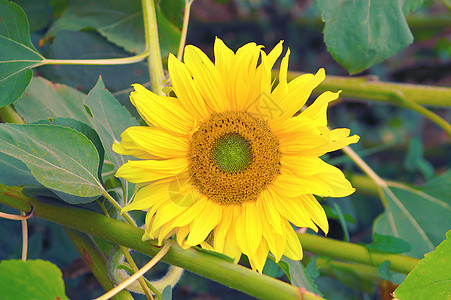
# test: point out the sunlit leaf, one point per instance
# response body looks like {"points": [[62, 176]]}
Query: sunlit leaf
{"points": [[418, 217], [59, 158], [431, 278], [31, 279], [360, 33], [17, 53]]}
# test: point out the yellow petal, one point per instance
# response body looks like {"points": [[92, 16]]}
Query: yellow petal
{"points": [[281, 89], [293, 249], [317, 112], [165, 112], [223, 58], [184, 87], [242, 83], [315, 211], [207, 79], [258, 259], [193, 212], [268, 210], [299, 91], [292, 210], [274, 54], [137, 171], [181, 235], [153, 141], [305, 166], [147, 197], [205, 223], [222, 229]]}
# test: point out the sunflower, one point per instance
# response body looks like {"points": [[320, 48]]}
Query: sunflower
{"points": [[225, 162]]}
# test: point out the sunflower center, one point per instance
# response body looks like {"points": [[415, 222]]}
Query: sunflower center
{"points": [[232, 153], [233, 156]]}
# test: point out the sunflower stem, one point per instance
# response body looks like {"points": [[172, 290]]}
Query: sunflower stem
{"points": [[156, 72], [184, 28], [374, 90]]}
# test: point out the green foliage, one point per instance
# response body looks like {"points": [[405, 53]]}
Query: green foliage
{"points": [[109, 118], [38, 279], [417, 216], [431, 279], [18, 54], [44, 99], [120, 22], [59, 158], [360, 34], [388, 243]]}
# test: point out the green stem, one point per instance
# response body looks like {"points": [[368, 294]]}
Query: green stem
{"points": [[105, 61], [153, 45], [375, 90], [355, 253], [364, 185], [96, 261], [196, 261], [9, 115]]}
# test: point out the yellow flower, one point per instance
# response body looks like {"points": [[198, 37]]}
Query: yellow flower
{"points": [[224, 163]]}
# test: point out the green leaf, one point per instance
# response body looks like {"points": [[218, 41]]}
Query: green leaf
{"points": [[360, 34], [39, 13], [390, 244], [384, 272], [120, 22], [431, 278], [272, 269], [298, 275], [13, 172], [110, 119], [31, 279], [17, 54], [44, 99], [59, 158], [418, 217]]}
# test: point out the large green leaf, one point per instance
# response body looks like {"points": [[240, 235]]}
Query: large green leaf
{"points": [[109, 119], [431, 278], [417, 216], [31, 279], [362, 33], [17, 53], [121, 22], [60, 158]]}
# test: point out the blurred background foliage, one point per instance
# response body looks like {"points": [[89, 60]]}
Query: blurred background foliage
{"points": [[398, 143]]}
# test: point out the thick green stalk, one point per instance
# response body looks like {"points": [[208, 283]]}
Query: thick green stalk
{"points": [[153, 45], [96, 261], [369, 89], [356, 253]]}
